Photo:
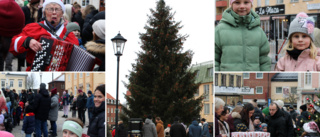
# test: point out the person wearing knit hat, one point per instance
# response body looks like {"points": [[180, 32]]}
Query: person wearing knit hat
{"points": [[31, 11], [65, 103], [300, 52], [251, 49], [97, 46], [303, 108], [53, 113], [98, 114], [264, 127], [72, 126], [81, 105], [52, 26], [90, 104], [75, 28]]}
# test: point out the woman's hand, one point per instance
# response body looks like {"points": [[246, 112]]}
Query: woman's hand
{"points": [[35, 45]]}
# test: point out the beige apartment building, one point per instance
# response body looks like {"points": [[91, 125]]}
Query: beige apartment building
{"points": [[83, 81], [14, 80]]}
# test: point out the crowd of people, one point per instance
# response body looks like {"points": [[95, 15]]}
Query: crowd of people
{"points": [[35, 109], [176, 129], [275, 119], [22, 27]]}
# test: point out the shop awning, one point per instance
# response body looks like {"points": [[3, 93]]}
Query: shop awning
{"points": [[265, 18], [278, 17]]}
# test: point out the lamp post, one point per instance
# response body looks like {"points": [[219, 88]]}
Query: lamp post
{"points": [[118, 46]]}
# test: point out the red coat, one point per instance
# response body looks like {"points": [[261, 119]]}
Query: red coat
{"points": [[34, 30]]}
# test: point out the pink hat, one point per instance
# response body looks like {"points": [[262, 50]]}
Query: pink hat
{"points": [[5, 134], [231, 1]]}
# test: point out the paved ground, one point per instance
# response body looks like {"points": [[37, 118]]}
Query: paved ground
{"points": [[17, 130], [15, 65]]}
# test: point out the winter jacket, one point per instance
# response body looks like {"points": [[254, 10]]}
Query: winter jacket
{"points": [[78, 18], [149, 129], [90, 103], [177, 130], [194, 129], [304, 116], [205, 130], [167, 132], [122, 131], [230, 120], [27, 14], [289, 124], [35, 31], [303, 63], [293, 115], [240, 43], [30, 99], [29, 123], [42, 103], [97, 49], [277, 125], [160, 129], [82, 101], [9, 106], [53, 113], [258, 112], [65, 99], [224, 128], [216, 126], [88, 22], [97, 122], [24, 97]]}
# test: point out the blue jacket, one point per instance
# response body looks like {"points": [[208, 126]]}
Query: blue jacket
{"points": [[65, 99], [194, 129], [90, 103], [29, 123], [9, 106], [205, 130]]}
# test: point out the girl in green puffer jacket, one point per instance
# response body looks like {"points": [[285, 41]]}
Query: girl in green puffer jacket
{"points": [[240, 43]]}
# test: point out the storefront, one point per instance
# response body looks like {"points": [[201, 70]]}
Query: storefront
{"points": [[232, 95]]}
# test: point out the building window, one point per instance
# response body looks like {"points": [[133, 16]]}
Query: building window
{"points": [[111, 101], [85, 2], [206, 92], [259, 75], [3, 83], [210, 72], [231, 77], [69, 77], [62, 86], [206, 108], [279, 90], [108, 119], [20, 83], [75, 75], [11, 83], [279, 1], [246, 75], [267, 3], [216, 76], [88, 74], [75, 91], [80, 75], [88, 87], [259, 3], [108, 110], [111, 119], [238, 81], [197, 92], [111, 110], [197, 73], [223, 79], [259, 90], [308, 78], [212, 89], [294, 90], [294, 1]]}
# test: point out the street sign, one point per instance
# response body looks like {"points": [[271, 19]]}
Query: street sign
{"points": [[269, 101]]}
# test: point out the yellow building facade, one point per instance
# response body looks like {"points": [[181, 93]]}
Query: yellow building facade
{"points": [[15, 81], [83, 81]]}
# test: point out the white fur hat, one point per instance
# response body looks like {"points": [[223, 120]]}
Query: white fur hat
{"points": [[54, 1], [99, 28]]}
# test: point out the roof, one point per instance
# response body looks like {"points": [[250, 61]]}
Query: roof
{"points": [[203, 69], [285, 77], [58, 79], [128, 93], [109, 96]]}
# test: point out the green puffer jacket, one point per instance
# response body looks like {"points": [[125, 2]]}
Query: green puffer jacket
{"points": [[240, 43]]}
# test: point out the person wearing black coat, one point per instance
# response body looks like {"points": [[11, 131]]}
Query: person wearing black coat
{"points": [[24, 96], [177, 129], [30, 98], [293, 113], [81, 105], [87, 25], [276, 122], [122, 131], [42, 104]]}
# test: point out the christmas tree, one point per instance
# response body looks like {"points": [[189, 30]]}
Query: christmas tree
{"points": [[160, 82]]}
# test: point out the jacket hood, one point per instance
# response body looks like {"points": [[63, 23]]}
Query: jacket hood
{"points": [[44, 92], [148, 121], [160, 122], [235, 115], [95, 47], [195, 123], [250, 21]]}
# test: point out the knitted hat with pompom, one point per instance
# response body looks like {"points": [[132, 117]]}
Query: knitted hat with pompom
{"points": [[303, 24]]}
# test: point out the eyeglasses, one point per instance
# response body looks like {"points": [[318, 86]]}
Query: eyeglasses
{"points": [[52, 9]]}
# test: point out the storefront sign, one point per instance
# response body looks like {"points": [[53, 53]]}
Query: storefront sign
{"points": [[233, 90], [314, 6], [270, 10]]}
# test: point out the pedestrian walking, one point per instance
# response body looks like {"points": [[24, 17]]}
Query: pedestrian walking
{"points": [[53, 113], [177, 129], [248, 52], [219, 103], [301, 53], [205, 128], [65, 103], [149, 128], [97, 122], [90, 104], [42, 104], [81, 105], [194, 129], [159, 127]]}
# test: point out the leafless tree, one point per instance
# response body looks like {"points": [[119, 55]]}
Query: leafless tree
{"points": [[31, 80]]}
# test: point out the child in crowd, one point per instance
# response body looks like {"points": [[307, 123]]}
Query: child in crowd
{"points": [[240, 43], [264, 127], [74, 106], [301, 53], [73, 126], [28, 121], [75, 28], [256, 123]]}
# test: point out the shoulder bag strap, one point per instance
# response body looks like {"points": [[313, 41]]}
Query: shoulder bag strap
{"points": [[48, 29]]}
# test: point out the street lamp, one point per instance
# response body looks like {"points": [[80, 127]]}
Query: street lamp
{"points": [[118, 46]]}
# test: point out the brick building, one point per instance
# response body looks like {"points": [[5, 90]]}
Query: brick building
{"points": [[111, 109], [58, 83]]}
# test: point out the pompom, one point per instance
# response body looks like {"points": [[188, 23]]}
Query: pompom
{"points": [[310, 28], [302, 14]]}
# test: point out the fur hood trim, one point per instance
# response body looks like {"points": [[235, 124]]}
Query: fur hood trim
{"points": [[95, 47], [235, 115]]}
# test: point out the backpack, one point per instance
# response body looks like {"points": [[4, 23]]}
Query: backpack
{"points": [[8, 123]]}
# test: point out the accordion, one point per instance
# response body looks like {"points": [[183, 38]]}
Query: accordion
{"points": [[57, 55]]}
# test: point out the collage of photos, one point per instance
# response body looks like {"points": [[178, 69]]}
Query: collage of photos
{"points": [[52, 58]]}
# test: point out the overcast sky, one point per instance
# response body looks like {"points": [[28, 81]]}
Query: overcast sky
{"points": [[130, 16], [46, 77]]}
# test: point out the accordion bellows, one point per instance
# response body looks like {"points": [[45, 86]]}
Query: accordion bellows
{"points": [[60, 55]]}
